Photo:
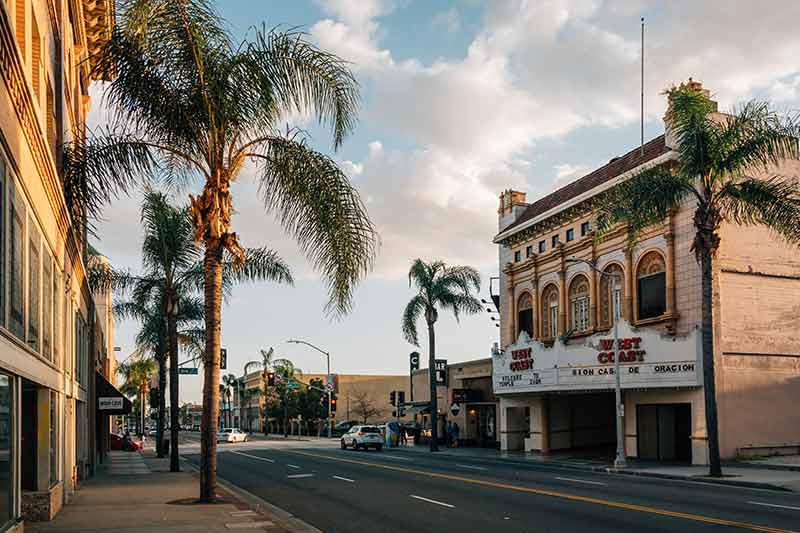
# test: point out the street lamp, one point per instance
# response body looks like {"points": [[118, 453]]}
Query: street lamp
{"points": [[619, 460], [328, 386]]}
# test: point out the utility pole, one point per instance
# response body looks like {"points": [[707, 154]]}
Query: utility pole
{"points": [[328, 382]]}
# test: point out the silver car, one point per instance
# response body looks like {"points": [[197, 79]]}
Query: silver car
{"points": [[363, 437]]}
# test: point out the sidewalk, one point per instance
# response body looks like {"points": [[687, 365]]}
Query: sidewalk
{"points": [[754, 474], [135, 492]]}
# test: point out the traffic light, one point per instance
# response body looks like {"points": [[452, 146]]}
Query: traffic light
{"points": [[333, 405], [392, 397], [401, 397], [270, 379]]}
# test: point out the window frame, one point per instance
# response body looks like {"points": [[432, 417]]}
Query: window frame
{"points": [[542, 246], [645, 262], [529, 251], [579, 304], [570, 236], [517, 256], [554, 240], [585, 228], [549, 305]]}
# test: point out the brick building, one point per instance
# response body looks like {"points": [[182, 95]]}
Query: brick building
{"points": [[554, 375]]}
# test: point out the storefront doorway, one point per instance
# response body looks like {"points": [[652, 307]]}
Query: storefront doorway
{"points": [[481, 426], [663, 432]]}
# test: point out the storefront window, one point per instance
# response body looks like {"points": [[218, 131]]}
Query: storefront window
{"points": [[525, 314], [47, 306], [53, 437], [550, 311], [17, 261], [33, 290], [6, 449], [651, 286], [579, 303]]}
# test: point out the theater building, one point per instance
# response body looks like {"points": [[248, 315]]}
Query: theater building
{"points": [[553, 370]]}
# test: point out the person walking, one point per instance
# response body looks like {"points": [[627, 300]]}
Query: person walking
{"points": [[455, 434], [449, 434], [403, 436]]}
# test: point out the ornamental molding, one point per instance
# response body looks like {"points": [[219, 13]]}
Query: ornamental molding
{"points": [[22, 101]]}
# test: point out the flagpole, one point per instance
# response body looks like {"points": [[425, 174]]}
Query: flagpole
{"points": [[641, 149]]}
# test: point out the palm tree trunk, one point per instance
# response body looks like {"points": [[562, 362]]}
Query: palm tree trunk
{"points": [[172, 330], [208, 437], [162, 386], [432, 379], [709, 384]]}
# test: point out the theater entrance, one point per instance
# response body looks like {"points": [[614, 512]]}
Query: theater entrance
{"points": [[664, 432]]}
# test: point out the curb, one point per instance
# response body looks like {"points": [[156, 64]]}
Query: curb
{"points": [[290, 521]]}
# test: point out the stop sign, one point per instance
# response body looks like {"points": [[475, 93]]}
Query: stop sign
{"points": [[455, 409]]}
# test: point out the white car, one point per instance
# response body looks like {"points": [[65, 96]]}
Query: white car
{"points": [[231, 435], [363, 437]]}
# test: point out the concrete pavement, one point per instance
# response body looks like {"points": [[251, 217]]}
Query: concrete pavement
{"points": [[135, 492]]}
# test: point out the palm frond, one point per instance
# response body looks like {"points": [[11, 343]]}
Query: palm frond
{"points": [[774, 203], [687, 116], [314, 201], [414, 309], [289, 73], [642, 200], [259, 264], [460, 303]]}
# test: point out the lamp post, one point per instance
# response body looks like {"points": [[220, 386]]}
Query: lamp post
{"points": [[619, 460], [328, 387]]}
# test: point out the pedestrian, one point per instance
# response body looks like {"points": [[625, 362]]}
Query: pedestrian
{"points": [[403, 436], [449, 434], [455, 435]]}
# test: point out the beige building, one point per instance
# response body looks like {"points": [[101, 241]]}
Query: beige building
{"points": [[50, 346], [356, 394], [467, 399], [554, 373]]}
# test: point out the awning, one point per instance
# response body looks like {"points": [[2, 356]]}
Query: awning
{"points": [[418, 409], [110, 401]]}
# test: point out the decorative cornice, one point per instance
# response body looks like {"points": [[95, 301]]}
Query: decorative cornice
{"points": [[22, 101]]}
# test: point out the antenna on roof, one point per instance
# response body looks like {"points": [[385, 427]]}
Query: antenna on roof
{"points": [[641, 149]]}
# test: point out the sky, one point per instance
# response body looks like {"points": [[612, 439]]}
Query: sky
{"points": [[460, 100]]}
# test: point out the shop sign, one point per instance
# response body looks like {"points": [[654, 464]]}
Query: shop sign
{"points": [[647, 359], [440, 367], [109, 403], [455, 409]]}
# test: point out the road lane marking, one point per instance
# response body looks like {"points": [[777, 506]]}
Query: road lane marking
{"points": [[580, 481], [293, 466], [472, 467], [432, 501], [345, 479], [396, 458], [251, 456], [554, 494], [297, 476], [775, 505]]}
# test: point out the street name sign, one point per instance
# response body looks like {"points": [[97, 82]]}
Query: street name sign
{"points": [[187, 370]]}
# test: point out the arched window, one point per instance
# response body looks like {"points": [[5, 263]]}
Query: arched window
{"points": [[607, 300], [550, 311], [579, 304], [651, 289], [525, 314]]}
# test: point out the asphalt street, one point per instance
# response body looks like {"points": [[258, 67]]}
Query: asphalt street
{"points": [[396, 490]]}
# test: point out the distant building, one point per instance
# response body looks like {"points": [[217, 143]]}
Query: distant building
{"points": [[554, 371]]}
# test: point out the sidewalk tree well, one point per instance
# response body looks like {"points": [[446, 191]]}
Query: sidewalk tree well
{"points": [[186, 103], [719, 159], [438, 286]]}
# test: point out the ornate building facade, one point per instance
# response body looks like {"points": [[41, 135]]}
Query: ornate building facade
{"points": [[554, 369], [50, 343]]}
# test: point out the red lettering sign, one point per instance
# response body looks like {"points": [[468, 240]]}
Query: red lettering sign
{"points": [[521, 360], [628, 349]]}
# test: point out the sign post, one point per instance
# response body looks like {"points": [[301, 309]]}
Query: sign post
{"points": [[413, 360]]}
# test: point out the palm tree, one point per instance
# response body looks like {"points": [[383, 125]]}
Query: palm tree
{"points": [[185, 99], [136, 375], [285, 373], [173, 276], [718, 156], [265, 364], [444, 287]]}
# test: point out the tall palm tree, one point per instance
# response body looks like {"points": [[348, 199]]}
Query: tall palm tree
{"points": [[443, 287], [184, 98], [136, 375], [173, 275], [285, 373], [718, 158]]}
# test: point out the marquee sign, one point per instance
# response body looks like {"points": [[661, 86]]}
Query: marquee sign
{"points": [[647, 359]]}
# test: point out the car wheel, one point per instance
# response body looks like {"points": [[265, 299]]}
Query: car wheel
{"points": [[344, 444], [355, 444], [379, 447], [245, 438]]}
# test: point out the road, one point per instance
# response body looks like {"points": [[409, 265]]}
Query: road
{"points": [[396, 490]]}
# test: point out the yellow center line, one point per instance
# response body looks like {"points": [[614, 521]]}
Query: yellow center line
{"points": [[556, 494]]}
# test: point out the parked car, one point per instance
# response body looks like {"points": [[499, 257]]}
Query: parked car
{"points": [[231, 435], [343, 427], [196, 427], [117, 442], [363, 437]]}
